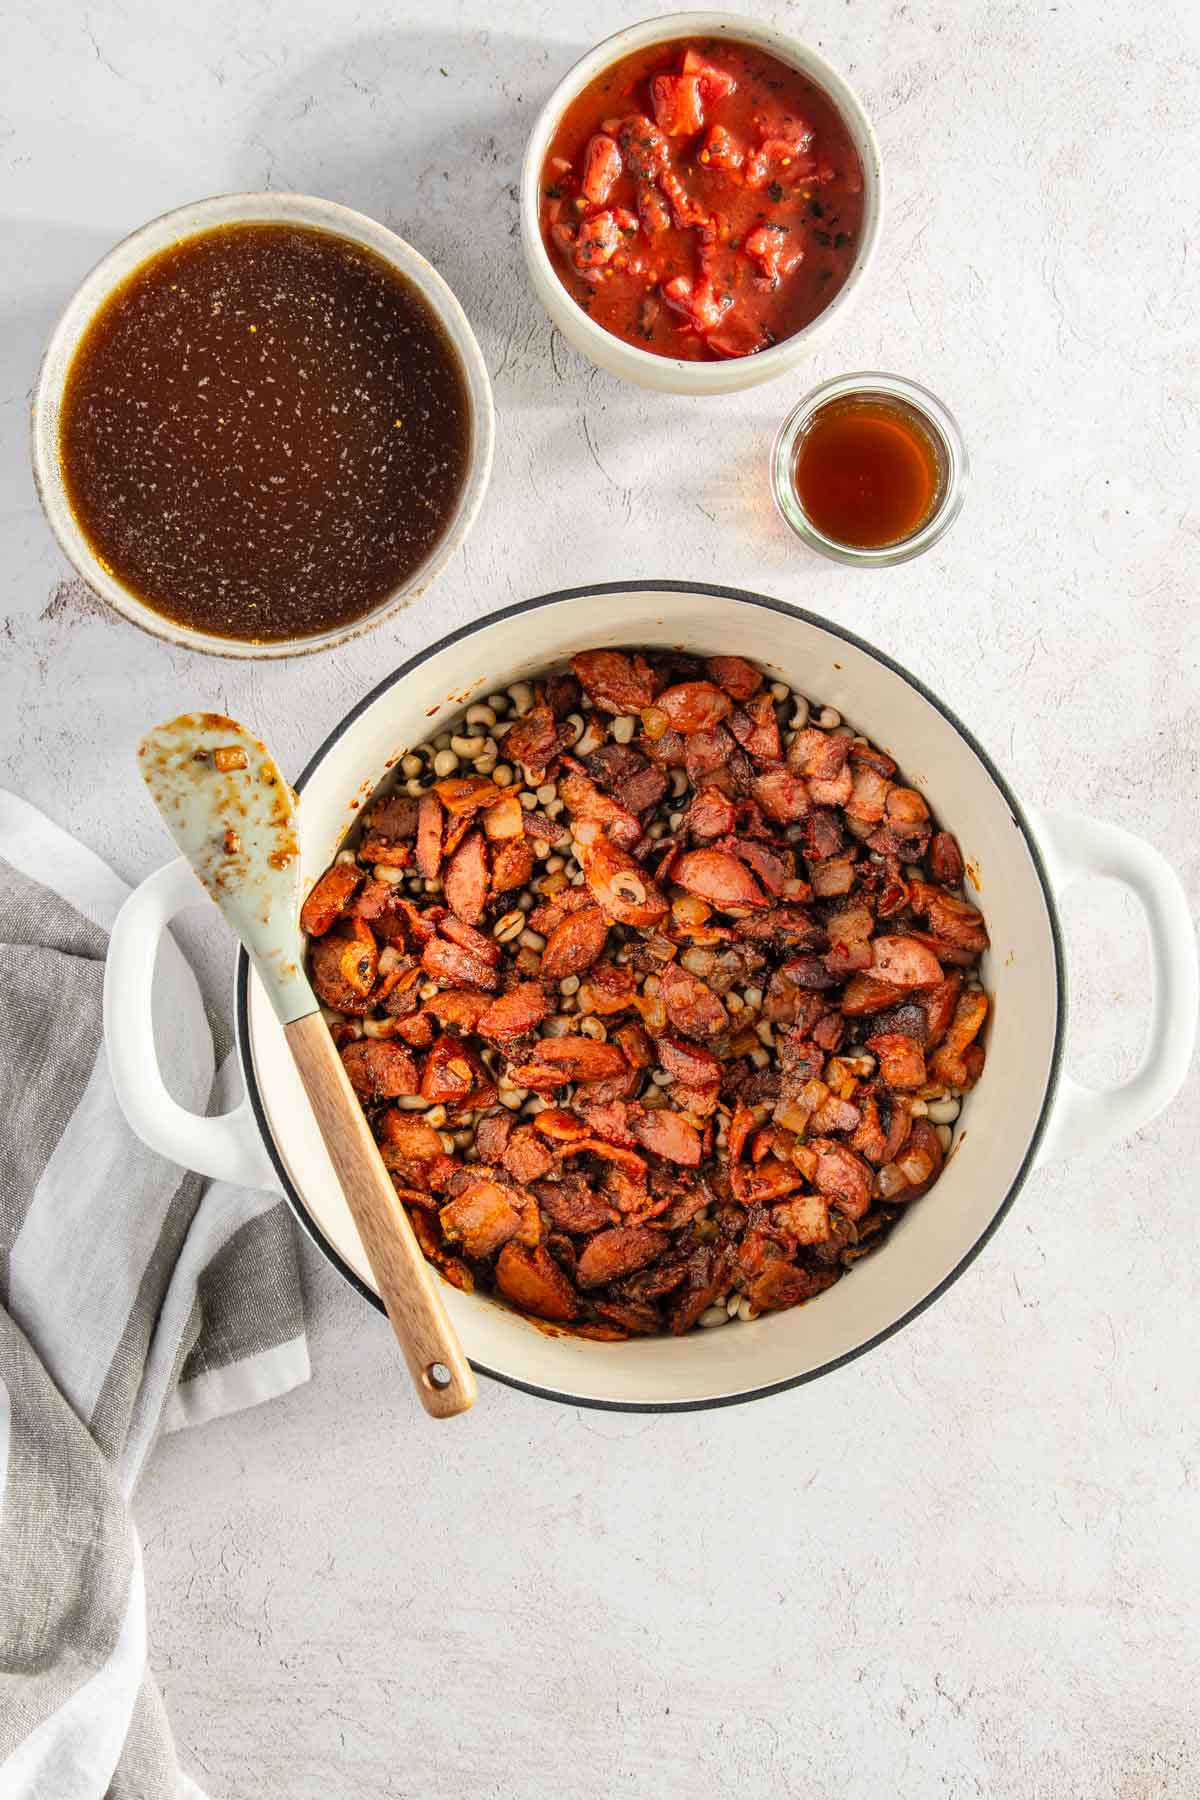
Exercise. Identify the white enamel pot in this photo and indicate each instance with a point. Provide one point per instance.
(1025, 1109)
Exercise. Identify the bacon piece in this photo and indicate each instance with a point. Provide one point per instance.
(782, 794)
(461, 794)
(710, 814)
(525, 1157)
(782, 1285)
(946, 859)
(767, 864)
(849, 930)
(505, 820)
(614, 682)
(534, 1283)
(343, 966)
(533, 740)
(452, 1072)
(905, 807)
(575, 944)
(581, 1058)
(465, 882)
(694, 706)
(409, 1135)
(609, 989)
(459, 1007)
(768, 1180)
(394, 816)
(514, 1013)
(572, 1206)
(688, 1063)
(549, 914)
(867, 994)
(429, 836)
(869, 790)
(938, 1005)
(589, 806)
(616, 1252)
(833, 878)
(459, 967)
(904, 962)
(607, 1119)
(678, 104)
(691, 1005)
(843, 1175)
(948, 1063)
(920, 1161)
(739, 678)
(459, 932)
(706, 753)
(620, 885)
(901, 1059)
(492, 1134)
(955, 921)
(329, 898)
(481, 1218)
(805, 1219)
(667, 1135)
(818, 755)
(379, 1069)
(601, 169)
(632, 1165)
(719, 878)
(756, 729)
(512, 865)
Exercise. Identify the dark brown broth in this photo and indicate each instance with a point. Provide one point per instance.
(264, 432)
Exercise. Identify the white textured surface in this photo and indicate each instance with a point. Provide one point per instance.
(964, 1565)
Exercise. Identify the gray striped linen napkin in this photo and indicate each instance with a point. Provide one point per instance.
(134, 1298)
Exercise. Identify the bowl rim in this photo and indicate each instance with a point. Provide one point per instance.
(742, 596)
(670, 27)
(195, 219)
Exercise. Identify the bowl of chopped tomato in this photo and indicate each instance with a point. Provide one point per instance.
(700, 200)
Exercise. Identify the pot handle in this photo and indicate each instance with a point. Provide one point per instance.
(228, 1147)
(1087, 1121)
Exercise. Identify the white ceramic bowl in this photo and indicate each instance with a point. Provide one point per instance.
(667, 373)
(173, 228)
(1024, 1109)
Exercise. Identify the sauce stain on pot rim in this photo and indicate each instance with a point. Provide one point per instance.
(1015, 814)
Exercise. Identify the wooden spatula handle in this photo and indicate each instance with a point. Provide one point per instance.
(407, 1285)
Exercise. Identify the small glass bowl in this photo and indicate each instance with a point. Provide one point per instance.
(907, 396)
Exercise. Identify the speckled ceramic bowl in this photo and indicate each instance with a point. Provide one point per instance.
(667, 373)
(172, 228)
(1025, 1109)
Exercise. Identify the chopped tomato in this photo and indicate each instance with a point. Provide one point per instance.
(775, 250)
(697, 301)
(715, 83)
(721, 150)
(601, 168)
(598, 241)
(678, 104)
(790, 155)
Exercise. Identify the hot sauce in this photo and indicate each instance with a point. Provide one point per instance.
(702, 200)
(866, 472)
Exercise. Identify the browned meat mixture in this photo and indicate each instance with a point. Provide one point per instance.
(660, 990)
